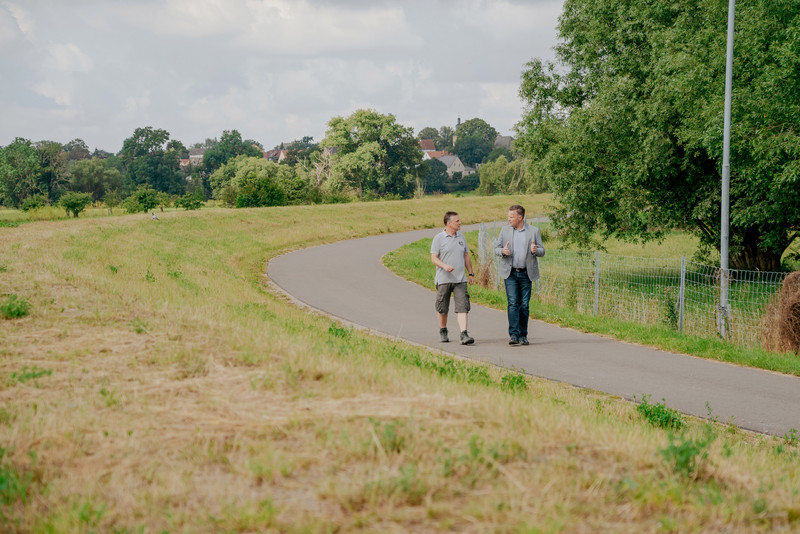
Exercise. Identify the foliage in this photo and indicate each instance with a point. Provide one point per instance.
(433, 174)
(506, 177)
(33, 202)
(143, 199)
(14, 307)
(472, 149)
(477, 128)
(52, 177)
(150, 159)
(442, 138)
(254, 182)
(659, 415)
(374, 154)
(229, 146)
(627, 126)
(19, 172)
(191, 201)
(95, 176)
(687, 455)
(75, 203)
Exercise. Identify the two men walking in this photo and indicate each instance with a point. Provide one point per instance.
(519, 246)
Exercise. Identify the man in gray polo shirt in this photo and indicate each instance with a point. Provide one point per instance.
(450, 255)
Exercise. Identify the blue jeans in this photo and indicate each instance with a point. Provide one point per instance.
(518, 293)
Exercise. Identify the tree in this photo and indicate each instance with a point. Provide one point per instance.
(472, 149)
(428, 133)
(375, 154)
(77, 150)
(19, 172)
(74, 202)
(627, 126)
(445, 139)
(52, 177)
(145, 198)
(148, 161)
(247, 181)
(229, 146)
(477, 128)
(96, 177)
(433, 174)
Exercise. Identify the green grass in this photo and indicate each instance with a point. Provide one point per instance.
(413, 263)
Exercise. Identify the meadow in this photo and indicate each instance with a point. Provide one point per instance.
(158, 383)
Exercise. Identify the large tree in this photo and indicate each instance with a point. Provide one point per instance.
(627, 125)
(375, 154)
(20, 169)
(150, 159)
(96, 177)
(229, 146)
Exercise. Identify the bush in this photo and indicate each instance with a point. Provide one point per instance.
(191, 201)
(75, 203)
(14, 307)
(143, 199)
(33, 202)
(659, 415)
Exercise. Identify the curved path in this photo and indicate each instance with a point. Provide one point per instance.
(348, 281)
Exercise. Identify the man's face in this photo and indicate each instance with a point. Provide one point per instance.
(454, 223)
(514, 219)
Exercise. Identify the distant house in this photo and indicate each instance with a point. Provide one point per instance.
(330, 150)
(426, 145)
(454, 165)
(434, 154)
(195, 157)
(277, 154)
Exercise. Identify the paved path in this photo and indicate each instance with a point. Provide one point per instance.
(347, 280)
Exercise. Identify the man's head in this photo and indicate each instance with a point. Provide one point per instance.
(516, 216)
(452, 221)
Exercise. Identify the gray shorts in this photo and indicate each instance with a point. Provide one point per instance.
(460, 295)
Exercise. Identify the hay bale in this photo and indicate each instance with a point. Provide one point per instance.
(781, 328)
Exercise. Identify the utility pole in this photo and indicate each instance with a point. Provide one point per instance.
(726, 182)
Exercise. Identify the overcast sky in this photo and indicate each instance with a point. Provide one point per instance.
(275, 70)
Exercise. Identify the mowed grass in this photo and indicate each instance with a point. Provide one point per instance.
(160, 384)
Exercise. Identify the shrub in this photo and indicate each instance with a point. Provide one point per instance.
(33, 202)
(14, 307)
(659, 415)
(74, 202)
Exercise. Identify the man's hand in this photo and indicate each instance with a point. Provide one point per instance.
(505, 250)
(533, 247)
(448, 268)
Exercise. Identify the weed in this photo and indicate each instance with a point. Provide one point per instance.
(390, 436)
(15, 307)
(149, 276)
(792, 439)
(14, 486)
(339, 331)
(113, 268)
(3, 268)
(659, 415)
(25, 374)
(669, 307)
(139, 326)
(686, 454)
(514, 382)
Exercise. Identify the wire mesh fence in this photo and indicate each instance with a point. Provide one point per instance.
(682, 294)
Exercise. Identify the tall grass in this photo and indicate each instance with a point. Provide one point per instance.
(159, 384)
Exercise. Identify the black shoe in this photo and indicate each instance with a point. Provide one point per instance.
(524, 340)
(465, 339)
(443, 335)
(513, 341)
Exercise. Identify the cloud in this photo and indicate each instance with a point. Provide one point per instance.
(68, 58)
(24, 22)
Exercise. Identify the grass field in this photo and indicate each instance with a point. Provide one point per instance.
(158, 384)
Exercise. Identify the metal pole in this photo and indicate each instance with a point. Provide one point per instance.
(596, 282)
(726, 180)
(682, 294)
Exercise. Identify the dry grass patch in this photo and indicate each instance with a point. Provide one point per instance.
(158, 385)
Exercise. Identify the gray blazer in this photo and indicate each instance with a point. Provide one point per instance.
(531, 260)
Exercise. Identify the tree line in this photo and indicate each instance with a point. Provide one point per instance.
(366, 155)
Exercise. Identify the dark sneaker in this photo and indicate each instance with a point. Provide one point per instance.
(443, 335)
(524, 340)
(465, 339)
(513, 341)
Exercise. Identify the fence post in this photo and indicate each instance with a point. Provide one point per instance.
(596, 282)
(482, 244)
(682, 294)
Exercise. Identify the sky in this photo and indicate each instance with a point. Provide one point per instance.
(275, 70)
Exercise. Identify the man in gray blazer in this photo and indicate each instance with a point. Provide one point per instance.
(519, 246)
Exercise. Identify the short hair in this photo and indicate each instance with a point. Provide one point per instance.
(448, 215)
(519, 209)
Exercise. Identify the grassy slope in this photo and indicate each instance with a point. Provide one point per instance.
(158, 384)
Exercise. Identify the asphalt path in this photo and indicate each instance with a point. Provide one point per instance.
(348, 281)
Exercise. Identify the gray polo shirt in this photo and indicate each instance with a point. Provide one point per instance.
(450, 250)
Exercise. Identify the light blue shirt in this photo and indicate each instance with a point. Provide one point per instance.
(519, 251)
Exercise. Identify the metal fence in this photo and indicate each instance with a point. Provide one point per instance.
(680, 293)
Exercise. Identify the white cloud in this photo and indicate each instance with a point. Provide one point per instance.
(137, 104)
(68, 58)
(21, 17)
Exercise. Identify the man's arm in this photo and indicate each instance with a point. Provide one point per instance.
(439, 263)
(537, 241)
(498, 244)
(468, 263)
